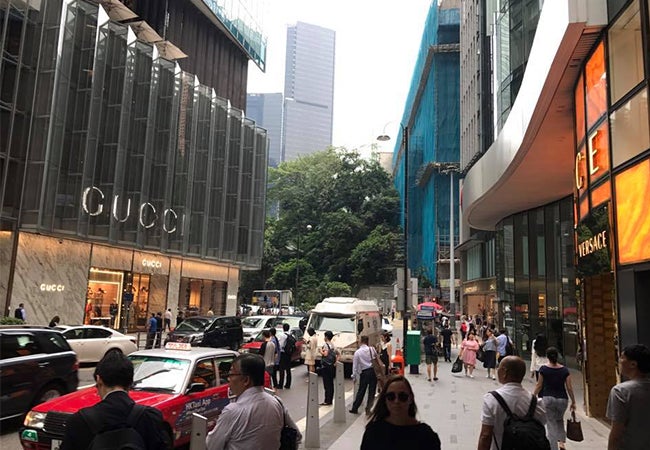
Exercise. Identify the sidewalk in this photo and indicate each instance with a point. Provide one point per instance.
(452, 407)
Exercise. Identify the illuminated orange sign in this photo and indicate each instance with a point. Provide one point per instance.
(632, 212)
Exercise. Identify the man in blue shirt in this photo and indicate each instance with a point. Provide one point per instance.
(152, 328)
(502, 342)
(363, 372)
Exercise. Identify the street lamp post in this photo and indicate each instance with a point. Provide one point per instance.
(295, 302)
(405, 146)
(450, 168)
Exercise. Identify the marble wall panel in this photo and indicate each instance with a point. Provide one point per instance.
(6, 248)
(174, 285)
(151, 263)
(50, 278)
(204, 271)
(233, 288)
(104, 257)
(157, 293)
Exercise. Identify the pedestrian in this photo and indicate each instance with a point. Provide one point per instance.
(431, 354)
(446, 335)
(54, 322)
(254, 419)
(511, 372)
(276, 366)
(268, 353)
(168, 320)
(159, 330)
(312, 347)
(553, 384)
(363, 372)
(328, 360)
(468, 350)
(179, 317)
(113, 377)
(490, 354)
(538, 355)
(20, 313)
(386, 351)
(628, 402)
(502, 344)
(463, 329)
(393, 422)
(285, 359)
(152, 327)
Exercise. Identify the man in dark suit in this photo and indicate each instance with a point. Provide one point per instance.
(114, 376)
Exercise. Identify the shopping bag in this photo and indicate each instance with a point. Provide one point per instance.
(573, 428)
(457, 366)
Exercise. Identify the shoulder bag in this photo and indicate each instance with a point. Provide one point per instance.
(573, 428)
(379, 368)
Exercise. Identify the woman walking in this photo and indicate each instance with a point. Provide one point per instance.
(392, 423)
(538, 355)
(553, 385)
(490, 352)
(468, 350)
(312, 348)
(386, 351)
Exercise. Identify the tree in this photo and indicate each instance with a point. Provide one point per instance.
(353, 239)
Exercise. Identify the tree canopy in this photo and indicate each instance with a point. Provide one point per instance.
(336, 227)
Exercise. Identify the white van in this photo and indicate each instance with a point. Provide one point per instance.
(348, 319)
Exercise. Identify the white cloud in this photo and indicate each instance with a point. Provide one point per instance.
(377, 43)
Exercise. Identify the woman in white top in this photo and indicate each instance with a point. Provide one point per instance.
(538, 355)
(312, 348)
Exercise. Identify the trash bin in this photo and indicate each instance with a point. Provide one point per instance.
(413, 355)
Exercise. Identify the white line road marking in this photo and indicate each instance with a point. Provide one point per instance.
(322, 411)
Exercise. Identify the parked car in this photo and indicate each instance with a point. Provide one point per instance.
(178, 380)
(36, 364)
(386, 325)
(255, 345)
(209, 331)
(91, 342)
(252, 325)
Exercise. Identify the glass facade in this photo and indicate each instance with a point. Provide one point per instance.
(535, 278)
(119, 145)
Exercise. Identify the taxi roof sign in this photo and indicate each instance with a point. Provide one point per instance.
(178, 346)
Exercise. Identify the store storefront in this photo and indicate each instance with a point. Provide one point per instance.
(479, 298)
(612, 185)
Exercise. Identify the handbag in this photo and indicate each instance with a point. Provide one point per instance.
(457, 366)
(573, 428)
(480, 354)
(379, 368)
(439, 350)
(288, 435)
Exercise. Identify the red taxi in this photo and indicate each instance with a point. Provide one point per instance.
(178, 380)
(255, 345)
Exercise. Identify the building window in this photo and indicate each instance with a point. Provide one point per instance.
(630, 133)
(632, 210)
(625, 52)
(596, 84)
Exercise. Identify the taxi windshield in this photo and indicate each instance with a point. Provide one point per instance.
(157, 373)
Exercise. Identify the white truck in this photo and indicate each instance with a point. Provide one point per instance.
(348, 319)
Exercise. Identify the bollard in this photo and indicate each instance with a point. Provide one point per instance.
(339, 395)
(199, 432)
(312, 428)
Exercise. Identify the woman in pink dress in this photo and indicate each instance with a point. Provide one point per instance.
(468, 350)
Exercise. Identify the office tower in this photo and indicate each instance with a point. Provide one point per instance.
(308, 89)
(267, 112)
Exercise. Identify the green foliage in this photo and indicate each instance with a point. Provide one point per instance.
(337, 229)
(6, 320)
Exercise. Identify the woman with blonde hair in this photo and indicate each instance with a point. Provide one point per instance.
(312, 348)
(392, 423)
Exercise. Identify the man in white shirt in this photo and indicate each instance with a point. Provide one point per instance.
(255, 419)
(363, 372)
(511, 371)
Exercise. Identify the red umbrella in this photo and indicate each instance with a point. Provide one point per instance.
(430, 305)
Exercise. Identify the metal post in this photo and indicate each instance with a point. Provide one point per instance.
(452, 262)
(312, 428)
(295, 301)
(339, 395)
(199, 432)
(405, 321)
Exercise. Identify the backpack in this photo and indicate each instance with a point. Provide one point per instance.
(290, 344)
(522, 433)
(122, 438)
(330, 359)
(510, 350)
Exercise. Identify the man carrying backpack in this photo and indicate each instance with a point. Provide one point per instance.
(518, 425)
(116, 422)
(287, 346)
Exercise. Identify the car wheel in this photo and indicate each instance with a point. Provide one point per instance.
(114, 349)
(48, 393)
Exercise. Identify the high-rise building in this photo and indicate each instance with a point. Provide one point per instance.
(308, 89)
(267, 111)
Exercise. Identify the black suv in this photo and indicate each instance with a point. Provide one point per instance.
(36, 365)
(209, 331)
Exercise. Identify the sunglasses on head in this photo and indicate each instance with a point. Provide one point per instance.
(401, 396)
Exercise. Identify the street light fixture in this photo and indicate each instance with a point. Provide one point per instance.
(405, 146)
(450, 168)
